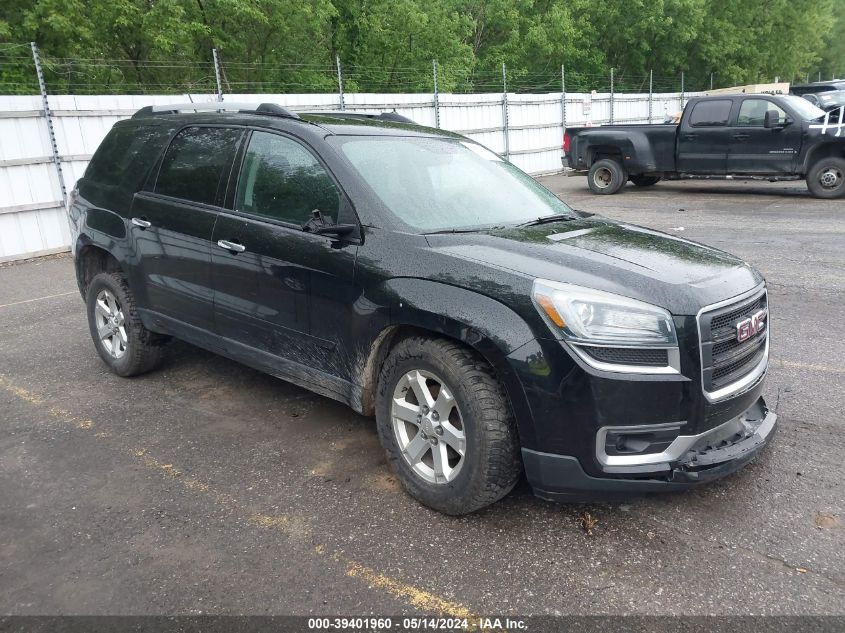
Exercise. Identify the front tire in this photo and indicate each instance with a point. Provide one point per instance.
(606, 176)
(645, 181)
(446, 426)
(122, 341)
(826, 179)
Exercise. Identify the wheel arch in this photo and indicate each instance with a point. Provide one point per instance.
(493, 332)
(90, 260)
(825, 150)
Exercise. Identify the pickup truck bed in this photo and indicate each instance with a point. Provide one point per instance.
(652, 145)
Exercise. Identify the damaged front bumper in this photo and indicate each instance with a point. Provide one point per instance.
(688, 461)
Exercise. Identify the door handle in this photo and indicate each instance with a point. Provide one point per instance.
(742, 137)
(141, 223)
(231, 246)
(690, 137)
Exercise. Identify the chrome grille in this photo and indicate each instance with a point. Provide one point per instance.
(724, 359)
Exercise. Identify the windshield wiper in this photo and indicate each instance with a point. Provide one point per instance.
(548, 219)
(442, 231)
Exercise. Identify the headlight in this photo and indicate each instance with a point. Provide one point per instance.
(594, 317)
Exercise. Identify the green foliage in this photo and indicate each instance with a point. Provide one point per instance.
(103, 46)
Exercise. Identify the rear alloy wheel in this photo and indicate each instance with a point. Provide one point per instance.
(446, 425)
(645, 181)
(111, 324)
(606, 176)
(826, 178)
(122, 341)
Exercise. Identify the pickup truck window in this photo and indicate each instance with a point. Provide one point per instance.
(711, 113)
(752, 112)
(803, 108)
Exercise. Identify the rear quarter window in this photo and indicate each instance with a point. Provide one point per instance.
(711, 113)
(119, 154)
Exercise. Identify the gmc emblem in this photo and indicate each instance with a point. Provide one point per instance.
(754, 324)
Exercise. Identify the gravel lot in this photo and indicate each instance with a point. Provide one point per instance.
(207, 487)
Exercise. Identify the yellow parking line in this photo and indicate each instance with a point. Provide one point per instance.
(291, 527)
(809, 366)
(422, 600)
(17, 303)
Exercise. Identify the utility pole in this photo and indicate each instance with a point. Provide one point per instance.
(340, 83)
(611, 96)
(505, 111)
(563, 97)
(436, 96)
(217, 74)
(48, 115)
(650, 93)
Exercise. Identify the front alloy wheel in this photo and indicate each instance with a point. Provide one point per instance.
(446, 425)
(428, 426)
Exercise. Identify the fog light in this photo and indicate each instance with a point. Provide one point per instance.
(633, 442)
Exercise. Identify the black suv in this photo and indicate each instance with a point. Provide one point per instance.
(418, 277)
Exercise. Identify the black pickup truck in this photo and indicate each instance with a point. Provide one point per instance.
(774, 137)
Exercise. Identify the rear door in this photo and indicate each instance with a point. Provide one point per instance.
(172, 223)
(278, 289)
(756, 149)
(704, 137)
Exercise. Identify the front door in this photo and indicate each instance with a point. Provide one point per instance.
(171, 225)
(756, 149)
(270, 274)
(703, 137)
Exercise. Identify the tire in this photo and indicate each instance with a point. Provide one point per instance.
(490, 465)
(826, 178)
(645, 181)
(130, 348)
(606, 176)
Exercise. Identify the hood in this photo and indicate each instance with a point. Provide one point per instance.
(677, 274)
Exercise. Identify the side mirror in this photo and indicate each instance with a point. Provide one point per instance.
(337, 230)
(324, 225)
(772, 119)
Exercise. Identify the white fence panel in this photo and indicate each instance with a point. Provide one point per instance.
(32, 217)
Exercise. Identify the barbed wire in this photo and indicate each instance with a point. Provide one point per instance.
(70, 75)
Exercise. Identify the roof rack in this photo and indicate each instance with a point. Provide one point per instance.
(381, 116)
(270, 109)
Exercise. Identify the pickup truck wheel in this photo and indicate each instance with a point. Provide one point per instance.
(122, 341)
(645, 181)
(606, 176)
(826, 178)
(446, 426)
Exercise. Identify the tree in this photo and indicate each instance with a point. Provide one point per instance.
(387, 45)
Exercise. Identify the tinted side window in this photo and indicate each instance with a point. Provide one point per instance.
(194, 162)
(117, 153)
(752, 112)
(282, 180)
(711, 113)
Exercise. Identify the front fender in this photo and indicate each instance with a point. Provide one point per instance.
(490, 327)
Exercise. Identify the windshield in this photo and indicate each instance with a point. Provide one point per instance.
(804, 108)
(437, 184)
(832, 98)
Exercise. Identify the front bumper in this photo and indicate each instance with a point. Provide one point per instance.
(702, 458)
